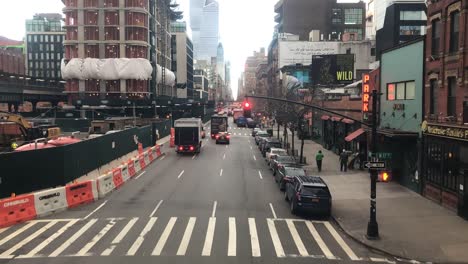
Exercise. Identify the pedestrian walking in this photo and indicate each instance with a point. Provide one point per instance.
(344, 160)
(318, 160)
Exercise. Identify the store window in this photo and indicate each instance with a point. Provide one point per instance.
(353, 16)
(454, 31)
(443, 163)
(435, 41)
(433, 93)
(451, 98)
(413, 15)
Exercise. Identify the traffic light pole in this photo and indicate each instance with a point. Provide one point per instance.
(373, 226)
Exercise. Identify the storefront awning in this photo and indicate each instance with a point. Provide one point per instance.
(354, 135)
(347, 121)
(336, 118)
(325, 117)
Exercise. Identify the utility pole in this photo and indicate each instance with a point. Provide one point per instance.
(373, 226)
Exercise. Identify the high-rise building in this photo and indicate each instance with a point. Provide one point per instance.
(196, 15)
(240, 87)
(201, 85)
(182, 59)
(250, 71)
(227, 80)
(220, 61)
(44, 46)
(206, 38)
(117, 45)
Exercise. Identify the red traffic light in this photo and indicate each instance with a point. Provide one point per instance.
(246, 105)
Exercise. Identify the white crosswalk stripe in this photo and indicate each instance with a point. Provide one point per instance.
(277, 237)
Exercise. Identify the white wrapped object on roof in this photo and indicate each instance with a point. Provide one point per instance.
(107, 69)
(169, 76)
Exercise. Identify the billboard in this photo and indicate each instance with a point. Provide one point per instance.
(332, 69)
(294, 52)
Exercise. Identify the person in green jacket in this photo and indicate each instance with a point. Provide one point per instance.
(318, 159)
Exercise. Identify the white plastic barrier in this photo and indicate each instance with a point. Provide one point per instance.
(147, 159)
(50, 201)
(105, 184)
(125, 174)
(93, 174)
(136, 161)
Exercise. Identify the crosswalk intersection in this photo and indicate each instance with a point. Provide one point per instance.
(175, 236)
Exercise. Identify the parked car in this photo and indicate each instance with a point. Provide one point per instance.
(270, 143)
(274, 152)
(259, 135)
(223, 137)
(262, 143)
(286, 173)
(251, 123)
(241, 122)
(279, 161)
(308, 194)
(254, 131)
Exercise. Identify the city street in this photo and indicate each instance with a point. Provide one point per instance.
(221, 205)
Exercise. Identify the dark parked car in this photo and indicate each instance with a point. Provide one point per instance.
(282, 161)
(259, 135)
(262, 143)
(270, 143)
(223, 137)
(251, 123)
(254, 131)
(308, 194)
(285, 174)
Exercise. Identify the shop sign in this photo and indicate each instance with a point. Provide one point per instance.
(381, 155)
(365, 96)
(454, 132)
(399, 107)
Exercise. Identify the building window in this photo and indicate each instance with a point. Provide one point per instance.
(433, 96)
(451, 99)
(91, 51)
(112, 33)
(413, 15)
(136, 51)
(435, 44)
(401, 91)
(111, 3)
(136, 19)
(358, 31)
(91, 17)
(71, 3)
(112, 51)
(111, 18)
(90, 3)
(353, 16)
(71, 18)
(337, 16)
(91, 33)
(72, 34)
(412, 30)
(454, 31)
(137, 3)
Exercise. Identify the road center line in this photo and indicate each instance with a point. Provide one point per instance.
(251, 147)
(221, 172)
(156, 208)
(273, 211)
(254, 157)
(224, 156)
(214, 208)
(260, 175)
(180, 175)
(95, 210)
(136, 178)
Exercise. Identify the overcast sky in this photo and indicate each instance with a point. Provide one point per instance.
(245, 25)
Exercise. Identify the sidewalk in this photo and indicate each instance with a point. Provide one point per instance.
(410, 225)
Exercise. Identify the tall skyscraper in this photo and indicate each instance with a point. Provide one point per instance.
(44, 46)
(205, 31)
(220, 61)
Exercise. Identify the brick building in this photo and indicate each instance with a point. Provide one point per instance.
(445, 129)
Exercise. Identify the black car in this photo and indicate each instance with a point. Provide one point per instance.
(254, 131)
(262, 141)
(259, 135)
(223, 137)
(270, 143)
(286, 173)
(308, 194)
(282, 161)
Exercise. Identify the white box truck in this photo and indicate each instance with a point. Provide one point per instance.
(188, 137)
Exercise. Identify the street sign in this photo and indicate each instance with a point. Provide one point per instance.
(375, 165)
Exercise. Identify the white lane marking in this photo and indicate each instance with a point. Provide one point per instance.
(275, 239)
(32, 253)
(141, 174)
(156, 208)
(73, 238)
(95, 240)
(163, 157)
(226, 146)
(341, 242)
(19, 231)
(254, 238)
(232, 242)
(260, 175)
(385, 260)
(186, 238)
(194, 156)
(326, 251)
(254, 157)
(95, 210)
(297, 239)
(221, 172)
(213, 213)
(224, 156)
(141, 238)
(180, 175)
(209, 237)
(251, 147)
(119, 237)
(164, 236)
(273, 211)
(7, 253)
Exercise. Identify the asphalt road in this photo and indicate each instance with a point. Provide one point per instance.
(221, 206)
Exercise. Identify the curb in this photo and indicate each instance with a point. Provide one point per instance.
(374, 248)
